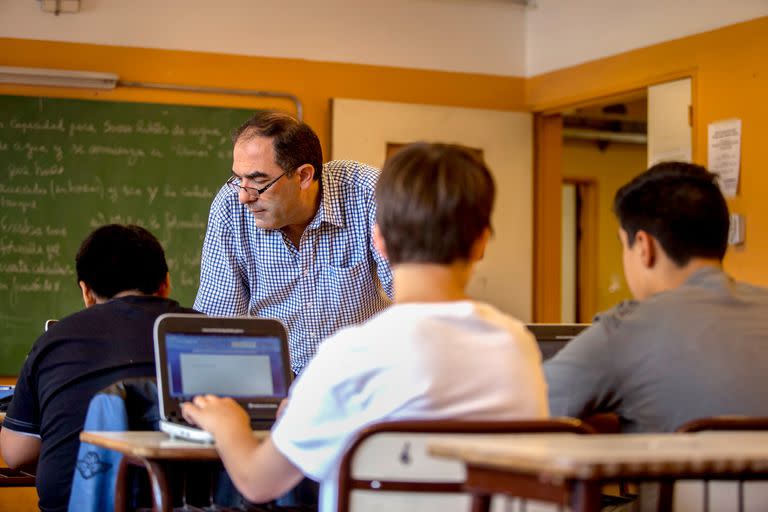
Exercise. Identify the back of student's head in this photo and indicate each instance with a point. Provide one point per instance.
(679, 204)
(433, 201)
(116, 258)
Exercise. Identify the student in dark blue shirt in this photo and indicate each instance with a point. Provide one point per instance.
(123, 276)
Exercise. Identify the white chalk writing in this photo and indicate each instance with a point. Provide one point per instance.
(197, 191)
(23, 267)
(185, 151)
(25, 228)
(25, 190)
(151, 128)
(76, 128)
(19, 204)
(110, 127)
(35, 126)
(31, 150)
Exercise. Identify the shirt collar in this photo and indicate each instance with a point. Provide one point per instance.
(330, 209)
(705, 274)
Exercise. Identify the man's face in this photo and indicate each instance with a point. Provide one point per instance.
(633, 266)
(254, 163)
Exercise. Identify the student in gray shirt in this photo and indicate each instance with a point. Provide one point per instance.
(694, 343)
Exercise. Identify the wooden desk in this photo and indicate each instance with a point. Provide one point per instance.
(568, 469)
(155, 451)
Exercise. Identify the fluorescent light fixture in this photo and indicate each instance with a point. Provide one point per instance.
(57, 78)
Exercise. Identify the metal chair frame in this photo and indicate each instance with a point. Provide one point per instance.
(348, 483)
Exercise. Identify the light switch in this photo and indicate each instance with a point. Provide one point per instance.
(736, 229)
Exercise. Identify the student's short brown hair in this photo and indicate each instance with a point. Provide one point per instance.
(433, 202)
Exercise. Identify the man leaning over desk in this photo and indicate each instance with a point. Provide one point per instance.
(290, 238)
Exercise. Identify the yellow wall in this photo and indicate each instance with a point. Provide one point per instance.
(609, 168)
(730, 79)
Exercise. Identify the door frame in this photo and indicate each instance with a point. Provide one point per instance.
(547, 177)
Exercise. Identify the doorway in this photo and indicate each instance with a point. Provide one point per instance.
(565, 131)
(604, 146)
(579, 268)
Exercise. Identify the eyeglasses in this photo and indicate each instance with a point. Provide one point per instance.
(233, 183)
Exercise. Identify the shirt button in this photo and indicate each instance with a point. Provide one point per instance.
(309, 304)
(306, 272)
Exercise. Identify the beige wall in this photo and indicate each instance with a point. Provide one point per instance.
(610, 168)
(503, 278)
(469, 36)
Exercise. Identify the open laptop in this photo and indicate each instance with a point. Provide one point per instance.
(239, 357)
(553, 337)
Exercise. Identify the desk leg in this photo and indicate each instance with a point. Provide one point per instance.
(480, 503)
(586, 496)
(121, 486)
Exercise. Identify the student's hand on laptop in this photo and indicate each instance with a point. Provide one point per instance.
(219, 416)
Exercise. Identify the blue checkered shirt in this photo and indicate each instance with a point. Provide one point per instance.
(335, 278)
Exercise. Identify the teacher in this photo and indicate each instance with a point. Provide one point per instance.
(290, 238)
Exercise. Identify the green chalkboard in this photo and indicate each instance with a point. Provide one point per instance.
(69, 166)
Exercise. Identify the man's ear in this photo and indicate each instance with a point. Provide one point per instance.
(306, 175)
(478, 248)
(648, 248)
(89, 298)
(165, 287)
(378, 241)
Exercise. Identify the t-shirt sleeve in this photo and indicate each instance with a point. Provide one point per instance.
(323, 412)
(580, 378)
(23, 413)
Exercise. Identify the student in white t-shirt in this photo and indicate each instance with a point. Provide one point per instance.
(434, 354)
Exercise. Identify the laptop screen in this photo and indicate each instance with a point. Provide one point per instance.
(553, 337)
(226, 365)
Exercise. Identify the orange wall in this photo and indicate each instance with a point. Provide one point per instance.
(730, 79)
(314, 83)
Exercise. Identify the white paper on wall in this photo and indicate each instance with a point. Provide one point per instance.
(724, 153)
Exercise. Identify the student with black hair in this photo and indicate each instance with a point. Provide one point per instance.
(434, 354)
(124, 281)
(694, 343)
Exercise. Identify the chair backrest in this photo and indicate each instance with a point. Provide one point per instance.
(128, 404)
(387, 459)
(725, 423)
(715, 495)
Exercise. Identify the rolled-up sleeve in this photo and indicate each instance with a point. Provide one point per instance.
(223, 288)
